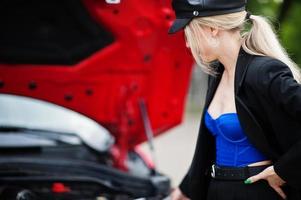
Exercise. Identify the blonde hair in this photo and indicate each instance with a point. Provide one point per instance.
(259, 40)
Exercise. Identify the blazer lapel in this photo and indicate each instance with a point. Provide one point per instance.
(242, 64)
(248, 121)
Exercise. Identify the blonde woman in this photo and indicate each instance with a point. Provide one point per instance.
(249, 142)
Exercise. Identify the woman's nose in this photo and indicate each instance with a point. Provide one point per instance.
(187, 45)
(185, 39)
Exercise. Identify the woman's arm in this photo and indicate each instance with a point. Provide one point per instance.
(184, 184)
(276, 81)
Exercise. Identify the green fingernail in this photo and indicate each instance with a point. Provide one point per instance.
(248, 181)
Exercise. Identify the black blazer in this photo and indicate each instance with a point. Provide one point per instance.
(268, 105)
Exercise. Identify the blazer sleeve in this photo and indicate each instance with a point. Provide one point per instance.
(276, 80)
(185, 183)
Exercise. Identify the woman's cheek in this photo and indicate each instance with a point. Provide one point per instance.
(206, 55)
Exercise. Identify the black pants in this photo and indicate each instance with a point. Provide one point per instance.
(238, 190)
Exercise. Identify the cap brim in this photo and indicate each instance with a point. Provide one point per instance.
(177, 25)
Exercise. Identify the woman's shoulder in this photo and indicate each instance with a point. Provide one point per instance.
(266, 64)
(267, 75)
(263, 69)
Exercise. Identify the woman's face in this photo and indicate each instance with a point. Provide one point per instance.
(208, 43)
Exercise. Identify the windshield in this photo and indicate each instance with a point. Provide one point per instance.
(30, 113)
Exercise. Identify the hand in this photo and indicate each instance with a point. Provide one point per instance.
(273, 179)
(177, 194)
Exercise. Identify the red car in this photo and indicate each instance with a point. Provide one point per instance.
(82, 83)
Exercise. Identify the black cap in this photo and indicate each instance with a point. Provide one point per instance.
(186, 10)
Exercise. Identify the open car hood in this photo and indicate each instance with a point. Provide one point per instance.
(99, 60)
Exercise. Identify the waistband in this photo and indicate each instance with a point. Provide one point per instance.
(235, 173)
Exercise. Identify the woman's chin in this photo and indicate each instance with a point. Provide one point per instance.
(208, 60)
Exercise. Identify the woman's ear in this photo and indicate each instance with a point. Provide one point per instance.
(214, 31)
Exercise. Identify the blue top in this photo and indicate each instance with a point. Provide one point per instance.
(232, 146)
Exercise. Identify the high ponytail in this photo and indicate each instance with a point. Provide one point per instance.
(259, 40)
(262, 40)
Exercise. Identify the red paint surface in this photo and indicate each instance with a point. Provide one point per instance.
(143, 62)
